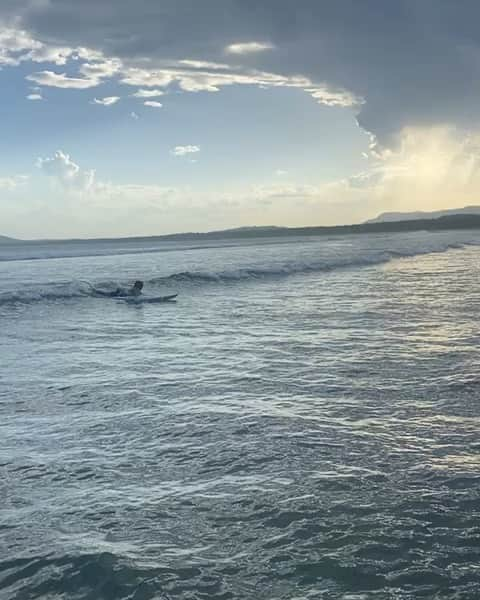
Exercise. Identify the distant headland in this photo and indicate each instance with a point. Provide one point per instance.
(462, 221)
(415, 216)
(465, 218)
(7, 240)
(457, 221)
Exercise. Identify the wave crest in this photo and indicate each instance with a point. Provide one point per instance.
(74, 290)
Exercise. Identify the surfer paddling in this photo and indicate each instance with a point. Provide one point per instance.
(134, 291)
(136, 288)
(133, 295)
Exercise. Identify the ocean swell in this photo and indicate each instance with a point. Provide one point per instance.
(74, 290)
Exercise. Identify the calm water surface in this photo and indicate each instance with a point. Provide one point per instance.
(302, 424)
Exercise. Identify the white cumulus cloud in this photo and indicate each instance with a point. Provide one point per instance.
(103, 68)
(34, 97)
(149, 78)
(153, 104)
(62, 169)
(107, 101)
(18, 46)
(62, 80)
(248, 47)
(331, 97)
(90, 73)
(12, 183)
(58, 55)
(142, 93)
(203, 64)
(13, 46)
(184, 150)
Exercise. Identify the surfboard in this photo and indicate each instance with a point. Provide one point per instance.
(149, 300)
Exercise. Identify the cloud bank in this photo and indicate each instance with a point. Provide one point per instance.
(414, 63)
(68, 174)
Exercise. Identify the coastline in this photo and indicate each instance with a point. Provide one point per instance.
(450, 222)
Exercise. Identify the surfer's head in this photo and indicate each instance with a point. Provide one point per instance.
(136, 289)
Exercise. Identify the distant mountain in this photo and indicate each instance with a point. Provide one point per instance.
(391, 217)
(255, 228)
(6, 240)
(464, 218)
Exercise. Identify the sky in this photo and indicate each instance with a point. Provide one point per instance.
(123, 118)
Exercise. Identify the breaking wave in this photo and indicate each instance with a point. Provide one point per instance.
(71, 290)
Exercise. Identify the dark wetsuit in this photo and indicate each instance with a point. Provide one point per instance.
(118, 293)
(115, 294)
(135, 290)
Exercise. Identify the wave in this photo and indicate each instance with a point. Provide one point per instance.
(331, 263)
(75, 290)
(32, 251)
(48, 291)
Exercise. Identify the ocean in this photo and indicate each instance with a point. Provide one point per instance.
(302, 424)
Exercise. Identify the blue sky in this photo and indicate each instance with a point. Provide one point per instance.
(162, 116)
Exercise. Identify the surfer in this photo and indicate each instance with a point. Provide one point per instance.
(135, 290)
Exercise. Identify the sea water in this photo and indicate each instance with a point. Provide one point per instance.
(302, 424)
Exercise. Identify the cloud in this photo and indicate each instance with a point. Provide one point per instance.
(7, 183)
(153, 104)
(430, 167)
(184, 150)
(107, 101)
(204, 80)
(34, 97)
(414, 63)
(248, 48)
(190, 75)
(398, 66)
(203, 64)
(62, 80)
(89, 54)
(17, 46)
(290, 191)
(104, 68)
(73, 179)
(63, 170)
(148, 93)
(134, 115)
(329, 97)
(137, 193)
(14, 46)
(12, 183)
(51, 54)
(135, 76)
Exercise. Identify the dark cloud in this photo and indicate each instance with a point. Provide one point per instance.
(415, 62)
